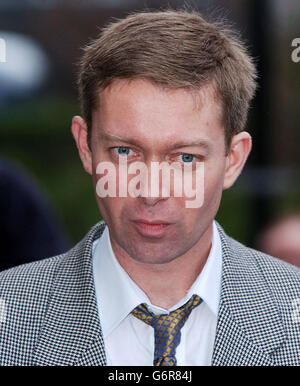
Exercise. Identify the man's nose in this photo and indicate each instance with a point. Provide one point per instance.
(153, 190)
(152, 201)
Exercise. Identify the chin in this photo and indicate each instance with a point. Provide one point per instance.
(154, 254)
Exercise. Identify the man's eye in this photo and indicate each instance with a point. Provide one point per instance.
(123, 151)
(187, 157)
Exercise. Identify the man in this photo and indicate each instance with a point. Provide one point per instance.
(158, 282)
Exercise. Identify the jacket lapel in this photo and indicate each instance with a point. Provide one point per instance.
(249, 328)
(71, 332)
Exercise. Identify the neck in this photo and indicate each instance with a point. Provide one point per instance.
(166, 284)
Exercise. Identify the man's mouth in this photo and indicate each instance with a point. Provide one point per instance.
(151, 227)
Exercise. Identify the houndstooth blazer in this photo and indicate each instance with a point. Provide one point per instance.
(49, 314)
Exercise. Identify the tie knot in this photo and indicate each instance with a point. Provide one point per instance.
(166, 329)
(141, 312)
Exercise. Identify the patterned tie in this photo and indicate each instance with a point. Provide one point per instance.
(166, 329)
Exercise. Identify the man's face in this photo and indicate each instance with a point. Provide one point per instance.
(145, 123)
(142, 122)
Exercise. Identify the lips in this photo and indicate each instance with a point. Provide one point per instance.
(152, 222)
(151, 227)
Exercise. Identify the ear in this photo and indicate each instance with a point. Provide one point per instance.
(79, 131)
(240, 148)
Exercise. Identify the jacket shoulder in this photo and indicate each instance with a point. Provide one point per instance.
(24, 294)
(283, 282)
(28, 291)
(280, 275)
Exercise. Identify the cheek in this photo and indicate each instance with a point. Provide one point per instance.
(198, 218)
(213, 185)
(111, 209)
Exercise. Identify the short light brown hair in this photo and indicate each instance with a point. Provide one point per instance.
(173, 49)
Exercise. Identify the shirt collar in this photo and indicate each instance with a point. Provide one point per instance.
(208, 283)
(117, 294)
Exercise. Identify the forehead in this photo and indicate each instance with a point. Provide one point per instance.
(149, 112)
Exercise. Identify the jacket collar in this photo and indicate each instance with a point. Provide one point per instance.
(248, 329)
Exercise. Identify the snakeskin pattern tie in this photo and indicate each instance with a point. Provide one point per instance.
(167, 329)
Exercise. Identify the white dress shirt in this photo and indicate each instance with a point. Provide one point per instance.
(129, 341)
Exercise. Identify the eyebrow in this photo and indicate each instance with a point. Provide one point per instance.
(112, 137)
(201, 143)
